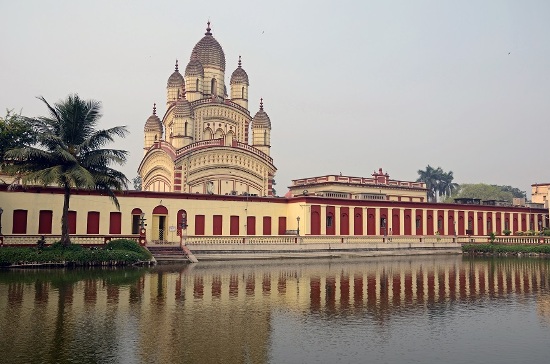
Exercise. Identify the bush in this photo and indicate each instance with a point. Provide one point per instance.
(506, 232)
(501, 248)
(120, 251)
(125, 244)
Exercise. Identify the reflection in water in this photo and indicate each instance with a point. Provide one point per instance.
(258, 312)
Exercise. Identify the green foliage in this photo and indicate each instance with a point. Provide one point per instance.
(15, 132)
(510, 249)
(487, 192)
(137, 183)
(69, 152)
(492, 237)
(121, 251)
(438, 182)
(128, 245)
(506, 232)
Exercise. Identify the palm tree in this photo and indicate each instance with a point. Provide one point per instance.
(69, 153)
(430, 177)
(447, 186)
(438, 182)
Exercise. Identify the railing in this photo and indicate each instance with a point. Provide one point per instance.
(220, 100)
(357, 180)
(220, 143)
(199, 145)
(316, 239)
(252, 150)
(91, 240)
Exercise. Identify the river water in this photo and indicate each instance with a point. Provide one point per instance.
(430, 309)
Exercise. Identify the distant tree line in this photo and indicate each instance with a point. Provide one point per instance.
(440, 187)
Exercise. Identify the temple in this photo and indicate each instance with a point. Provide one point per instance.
(207, 141)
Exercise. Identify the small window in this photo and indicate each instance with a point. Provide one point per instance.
(439, 224)
(329, 221)
(470, 224)
(418, 223)
(383, 222)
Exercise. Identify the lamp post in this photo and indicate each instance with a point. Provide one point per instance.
(298, 230)
(1, 211)
(183, 225)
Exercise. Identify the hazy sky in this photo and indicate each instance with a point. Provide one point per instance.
(350, 86)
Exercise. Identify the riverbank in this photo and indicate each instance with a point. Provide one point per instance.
(212, 251)
(119, 252)
(507, 249)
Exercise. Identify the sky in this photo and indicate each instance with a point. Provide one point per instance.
(349, 86)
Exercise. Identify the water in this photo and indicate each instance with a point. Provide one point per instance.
(433, 309)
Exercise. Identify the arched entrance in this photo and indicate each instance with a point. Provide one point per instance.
(159, 224)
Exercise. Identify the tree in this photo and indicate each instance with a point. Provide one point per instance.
(15, 132)
(438, 182)
(137, 183)
(487, 192)
(68, 152)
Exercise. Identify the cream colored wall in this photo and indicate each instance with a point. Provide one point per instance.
(230, 118)
(393, 193)
(228, 168)
(539, 194)
(157, 172)
(82, 203)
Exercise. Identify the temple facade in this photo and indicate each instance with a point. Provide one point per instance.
(207, 141)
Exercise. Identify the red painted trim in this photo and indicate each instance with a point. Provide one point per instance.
(430, 221)
(92, 222)
(160, 210)
(45, 218)
(115, 223)
(396, 223)
(137, 211)
(217, 224)
(461, 223)
(72, 222)
(330, 217)
(481, 225)
(313, 200)
(357, 221)
(282, 225)
(371, 222)
(199, 224)
(19, 222)
(251, 225)
(344, 221)
(315, 220)
(266, 225)
(407, 229)
(233, 225)
(419, 228)
(452, 224)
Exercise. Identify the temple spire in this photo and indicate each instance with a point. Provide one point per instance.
(262, 104)
(155, 108)
(240, 62)
(208, 29)
(177, 70)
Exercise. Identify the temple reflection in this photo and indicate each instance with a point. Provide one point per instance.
(202, 305)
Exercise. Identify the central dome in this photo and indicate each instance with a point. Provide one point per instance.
(209, 52)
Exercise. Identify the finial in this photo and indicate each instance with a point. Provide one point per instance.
(155, 108)
(239, 61)
(262, 104)
(176, 65)
(208, 29)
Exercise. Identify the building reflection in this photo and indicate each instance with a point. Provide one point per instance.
(173, 313)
